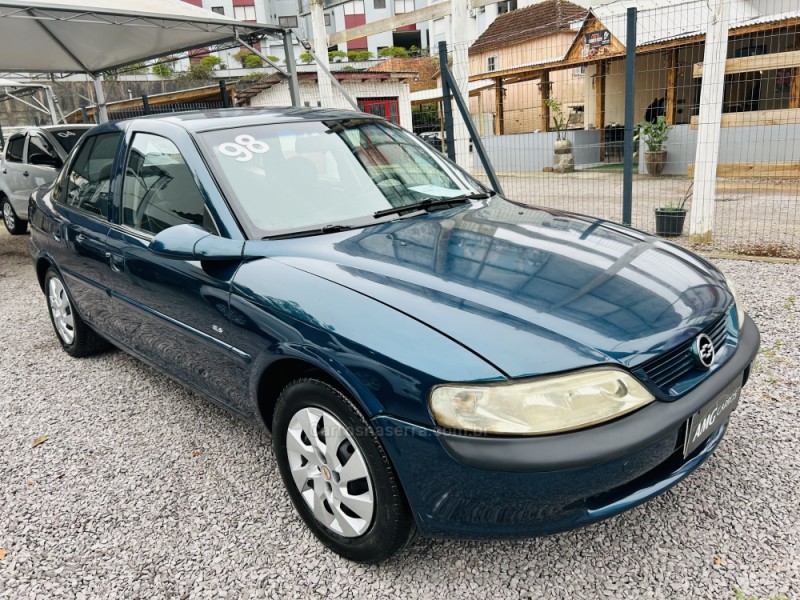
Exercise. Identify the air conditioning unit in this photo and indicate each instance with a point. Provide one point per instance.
(473, 12)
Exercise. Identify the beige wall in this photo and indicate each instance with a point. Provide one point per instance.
(523, 100)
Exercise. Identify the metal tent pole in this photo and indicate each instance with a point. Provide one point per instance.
(102, 111)
(291, 68)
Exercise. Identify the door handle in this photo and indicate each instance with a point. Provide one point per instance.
(25, 173)
(116, 262)
(5, 171)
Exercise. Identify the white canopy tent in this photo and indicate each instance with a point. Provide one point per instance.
(92, 36)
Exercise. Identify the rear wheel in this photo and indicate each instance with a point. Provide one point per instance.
(76, 337)
(14, 224)
(337, 473)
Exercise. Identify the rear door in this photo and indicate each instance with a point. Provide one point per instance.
(42, 160)
(15, 171)
(82, 206)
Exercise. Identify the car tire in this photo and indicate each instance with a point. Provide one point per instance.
(13, 223)
(328, 485)
(76, 337)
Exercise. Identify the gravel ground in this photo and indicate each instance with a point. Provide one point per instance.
(144, 490)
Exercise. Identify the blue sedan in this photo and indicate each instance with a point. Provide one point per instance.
(428, 355)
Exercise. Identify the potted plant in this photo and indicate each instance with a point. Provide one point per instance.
(655, 136)
(564, 162)
(670, 218)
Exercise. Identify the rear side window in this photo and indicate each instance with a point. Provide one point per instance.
(89, 178)
(16, 148)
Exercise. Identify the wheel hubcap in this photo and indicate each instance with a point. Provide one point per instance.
(8, 215)
(61, 309)
(330, 472)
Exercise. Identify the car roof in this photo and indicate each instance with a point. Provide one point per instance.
(207, 120)
(12, 131)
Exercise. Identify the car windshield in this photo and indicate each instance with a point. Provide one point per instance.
(289, 177)
(67, 138)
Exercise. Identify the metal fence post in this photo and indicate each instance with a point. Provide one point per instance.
(447, 107)
(145, 104)
(223, 92)
(473, 132)
(627, 140)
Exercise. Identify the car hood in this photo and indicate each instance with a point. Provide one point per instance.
(532, 291)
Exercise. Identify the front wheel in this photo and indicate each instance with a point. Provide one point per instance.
(13, 223)
(338, 474)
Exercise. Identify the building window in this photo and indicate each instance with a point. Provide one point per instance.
(403, 6)
(354, 8)
(491, 63)
(328, 19)
(439, 27)
(220, 10)
(244, 13)
(508, 6)
(378, 4)
(288, 22)
(579, 71)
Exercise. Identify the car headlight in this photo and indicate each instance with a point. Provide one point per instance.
(539, 406)
(737, 303)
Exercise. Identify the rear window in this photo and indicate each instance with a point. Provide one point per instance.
(67, 138)
(16, 147)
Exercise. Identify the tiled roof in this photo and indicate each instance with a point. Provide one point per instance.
(531, 22)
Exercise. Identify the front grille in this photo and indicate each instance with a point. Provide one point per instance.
(670, 367)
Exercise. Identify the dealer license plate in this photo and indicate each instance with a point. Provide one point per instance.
(711, 416)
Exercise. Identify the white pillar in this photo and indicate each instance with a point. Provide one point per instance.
(459, 47)
(321, 50)
(701, 223)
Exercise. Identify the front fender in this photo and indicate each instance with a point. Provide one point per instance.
(388, 360)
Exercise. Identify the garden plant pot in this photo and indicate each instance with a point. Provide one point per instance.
(564, 161)
(669, 222)
(655, 162)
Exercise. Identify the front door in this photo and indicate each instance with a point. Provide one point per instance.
(172, 312)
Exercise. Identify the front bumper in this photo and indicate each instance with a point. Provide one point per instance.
(471, 486)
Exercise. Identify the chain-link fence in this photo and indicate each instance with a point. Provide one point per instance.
(548, 93)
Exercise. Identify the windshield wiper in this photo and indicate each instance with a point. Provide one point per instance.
(427, 203)
(307, 232)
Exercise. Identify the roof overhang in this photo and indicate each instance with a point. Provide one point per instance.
(58, 36)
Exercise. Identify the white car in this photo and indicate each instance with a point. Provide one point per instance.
(31, 158)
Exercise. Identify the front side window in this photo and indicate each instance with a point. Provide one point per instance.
(298, 176)
(89, 177)
(41, 152)
(159, 189)
(16, 148)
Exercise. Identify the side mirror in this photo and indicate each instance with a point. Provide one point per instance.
(44, 160)
(191, 242)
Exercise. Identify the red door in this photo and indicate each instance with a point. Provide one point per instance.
(387, 108)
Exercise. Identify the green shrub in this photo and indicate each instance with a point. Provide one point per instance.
(393, 52)
(359, 55)
(305, 57)
(336, 56)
